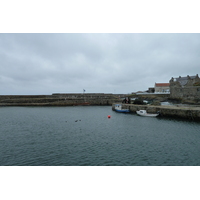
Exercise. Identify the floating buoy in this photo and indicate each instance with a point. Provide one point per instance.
(109, 116)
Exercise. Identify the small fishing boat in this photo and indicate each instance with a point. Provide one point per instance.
(118, 108)
(144, 113)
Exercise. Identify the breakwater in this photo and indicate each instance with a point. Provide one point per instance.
(59, 99)
(186, 112)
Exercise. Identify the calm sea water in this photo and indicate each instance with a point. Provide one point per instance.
(85, 136)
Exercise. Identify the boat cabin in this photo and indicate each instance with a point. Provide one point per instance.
(118, 106)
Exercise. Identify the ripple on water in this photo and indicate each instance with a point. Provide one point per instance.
(52, 136)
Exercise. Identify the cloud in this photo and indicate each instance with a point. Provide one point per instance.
(109, 63)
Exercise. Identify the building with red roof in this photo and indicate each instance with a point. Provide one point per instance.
(162, 87)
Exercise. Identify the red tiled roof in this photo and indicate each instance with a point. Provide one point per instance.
(161, 84)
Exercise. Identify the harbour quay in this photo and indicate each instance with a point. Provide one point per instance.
(175, 111)
(59, 99)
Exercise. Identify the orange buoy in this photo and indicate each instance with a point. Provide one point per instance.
(109, 116)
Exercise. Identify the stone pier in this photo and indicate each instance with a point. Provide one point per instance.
(59, 99)
(190, 112)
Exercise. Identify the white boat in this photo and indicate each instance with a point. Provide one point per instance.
(118, 108)
(144, 113)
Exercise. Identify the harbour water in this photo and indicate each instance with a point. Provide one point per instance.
(85, 136)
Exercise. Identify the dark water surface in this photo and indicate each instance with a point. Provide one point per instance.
(52, 136)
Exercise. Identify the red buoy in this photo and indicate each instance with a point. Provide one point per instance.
(109, 116)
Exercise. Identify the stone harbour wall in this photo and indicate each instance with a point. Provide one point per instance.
(192, 113)
(58, 99)
(189, 94)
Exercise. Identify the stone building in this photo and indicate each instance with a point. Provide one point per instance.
(162, 87)
(186, 88)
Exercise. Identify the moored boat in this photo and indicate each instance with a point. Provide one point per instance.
(118, 108)
(144, 113)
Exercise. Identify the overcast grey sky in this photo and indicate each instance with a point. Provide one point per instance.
(104, 63)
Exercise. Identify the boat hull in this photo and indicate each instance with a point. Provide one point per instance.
(122, 111)
(118, 108)
(145, 114)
